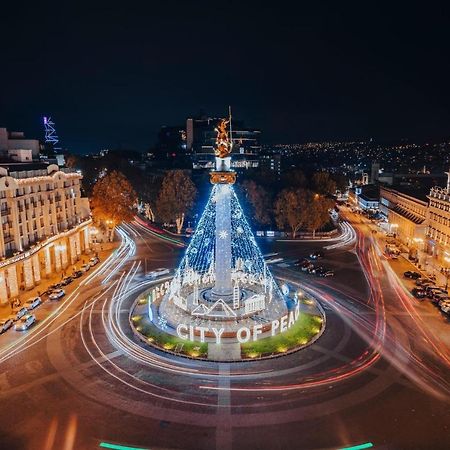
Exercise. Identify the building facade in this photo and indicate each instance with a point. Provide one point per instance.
(406, 215)
(438, 230)
(11, 141)
(45, 226)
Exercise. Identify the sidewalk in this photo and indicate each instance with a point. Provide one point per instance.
(426, 265)
(103, 251)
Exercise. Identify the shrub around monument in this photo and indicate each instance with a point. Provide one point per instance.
(299, 335)
(169, 342)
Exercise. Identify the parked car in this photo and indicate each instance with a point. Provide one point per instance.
(316, 255)
(77, 274)
(423, 282)
(437, 297)
(419, 293)
(162, 271)
(301, 261)
(18, 312)
(85, 267)
(5, 325)
(94, 261)
(307, 266)
(445, 307)
(433, 290)
(443, 301)
(52, 287)
(66, 281)
(57, 294)
(412, 275)
(32, 303)
(322, 272)
(25, 322)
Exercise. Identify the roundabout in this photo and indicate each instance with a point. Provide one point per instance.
(300, 327)
(223, 303)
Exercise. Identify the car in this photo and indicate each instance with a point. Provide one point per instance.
(25, 322)
(438, 297)
(419, 293)
(158, 272)
(412, 275)
(445, 306)
(444, 301)
(322, 272)
(85, 267)
(432, 291)
(316, 255)
(307, 266)
(66, 281)
(77, 274)
(32, 303)
(422, 282)
(52, 287)
(301, 261)
(94, 261)
(57, 294)
(5, 325)
(18, 312)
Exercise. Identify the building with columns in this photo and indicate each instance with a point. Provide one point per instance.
(45, 226)
(406, 211)
(438, 231)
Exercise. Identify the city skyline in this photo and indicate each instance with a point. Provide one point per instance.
(111, 78)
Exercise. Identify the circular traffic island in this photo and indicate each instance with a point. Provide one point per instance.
(248, 339)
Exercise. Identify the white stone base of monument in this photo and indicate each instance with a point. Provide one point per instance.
(224, 351)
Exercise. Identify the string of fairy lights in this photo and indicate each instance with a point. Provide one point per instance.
(245, 253)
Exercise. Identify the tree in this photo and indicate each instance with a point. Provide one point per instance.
(259, 200)
(290, 209)
(295, 179)
(112, 200)
(176, 197)
(72, 161)
(323, 183)
(317, 212)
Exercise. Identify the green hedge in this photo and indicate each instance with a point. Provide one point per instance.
(306, 327)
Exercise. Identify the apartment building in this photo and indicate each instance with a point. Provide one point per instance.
(438, 231)
(45, 226)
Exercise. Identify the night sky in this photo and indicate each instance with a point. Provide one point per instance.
(111, 75)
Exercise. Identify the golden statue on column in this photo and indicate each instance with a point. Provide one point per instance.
(223, 144)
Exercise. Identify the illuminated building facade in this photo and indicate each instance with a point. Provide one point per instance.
(438, 230)
(45, 226)
(406, 214)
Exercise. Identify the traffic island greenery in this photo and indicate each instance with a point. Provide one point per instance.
(168, 342)
(307, 327)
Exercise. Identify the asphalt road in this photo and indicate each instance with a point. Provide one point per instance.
(378, 374)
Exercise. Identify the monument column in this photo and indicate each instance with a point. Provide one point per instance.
(223, 177)
(223, 287)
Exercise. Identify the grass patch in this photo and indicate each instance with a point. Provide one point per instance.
(169, 342)
(306, 327)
